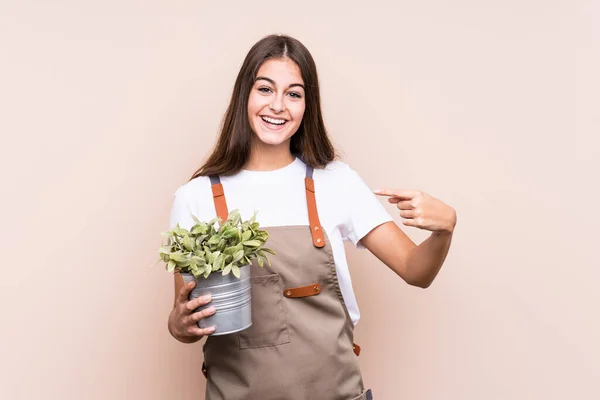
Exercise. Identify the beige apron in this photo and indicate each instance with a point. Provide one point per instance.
(300, 344)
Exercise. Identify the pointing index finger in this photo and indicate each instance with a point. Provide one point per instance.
(403, 194)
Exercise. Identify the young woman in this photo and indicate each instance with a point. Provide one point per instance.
(274, 156)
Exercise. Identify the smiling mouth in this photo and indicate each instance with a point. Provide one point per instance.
(273, 121)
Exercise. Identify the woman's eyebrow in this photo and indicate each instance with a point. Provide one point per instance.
(272, 82)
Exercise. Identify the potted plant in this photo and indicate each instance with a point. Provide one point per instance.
(219, 259)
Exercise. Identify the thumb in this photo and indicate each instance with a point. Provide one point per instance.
(185, 290)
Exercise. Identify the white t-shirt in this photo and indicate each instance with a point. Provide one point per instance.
(347, 207)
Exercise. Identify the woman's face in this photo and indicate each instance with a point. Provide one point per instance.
(276, 103)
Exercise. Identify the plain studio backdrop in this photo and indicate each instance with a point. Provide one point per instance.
(106, 107)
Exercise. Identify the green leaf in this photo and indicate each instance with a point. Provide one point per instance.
(165, 249)
(234, 217)
(199, 229)
(178, 257)
(214, 240)
(260, 261)
(252, 243)
(263, 235)
(171, 266)
(264, 249)
(197, 273)
(230, 233)
(227, 269)
(209, 257)
(246, 236)
(179, 231)
(175, 240)
(200, 261)
(238, 256)
(229, 250)
(219, 262)
(189, 243)
(236, 271)
(165, 253)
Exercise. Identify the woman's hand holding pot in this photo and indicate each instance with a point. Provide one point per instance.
(183, 321)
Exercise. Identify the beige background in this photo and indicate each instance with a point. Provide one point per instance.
(492, 106)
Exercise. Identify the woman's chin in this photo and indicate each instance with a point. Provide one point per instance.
(271, 139)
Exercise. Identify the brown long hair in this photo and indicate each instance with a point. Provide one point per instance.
(310, 143)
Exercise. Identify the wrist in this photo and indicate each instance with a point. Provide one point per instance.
(449, 229)
(443, 232)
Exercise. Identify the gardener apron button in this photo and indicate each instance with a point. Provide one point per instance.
(289, 293)
(316, 288)
(316, 228)
(319, 240)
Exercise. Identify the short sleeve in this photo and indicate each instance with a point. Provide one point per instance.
(364, 212)
(181, 211)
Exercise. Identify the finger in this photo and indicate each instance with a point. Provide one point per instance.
(203, 331)
(410, 222)
(184, 293)
(197, 302)
(207, 312)
(404, 194)
(408, 214)
(401, 204)
(194, 329)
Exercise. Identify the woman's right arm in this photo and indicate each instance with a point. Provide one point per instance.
(183, 321)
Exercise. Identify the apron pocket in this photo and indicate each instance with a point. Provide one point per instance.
(269, 325)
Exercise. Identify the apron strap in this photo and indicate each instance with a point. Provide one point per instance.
(219, 197)
(316, 229)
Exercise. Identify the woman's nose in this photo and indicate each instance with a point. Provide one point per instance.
(277, 105)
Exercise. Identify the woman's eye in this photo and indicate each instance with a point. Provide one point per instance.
(264, 90)
(296, 95)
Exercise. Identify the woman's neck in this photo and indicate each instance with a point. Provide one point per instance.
(269, 158)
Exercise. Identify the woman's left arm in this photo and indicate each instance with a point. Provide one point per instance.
(417, 265)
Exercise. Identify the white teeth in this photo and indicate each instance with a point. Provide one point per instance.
(274, 121)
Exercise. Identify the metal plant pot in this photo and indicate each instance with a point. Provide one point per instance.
(231, 298)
